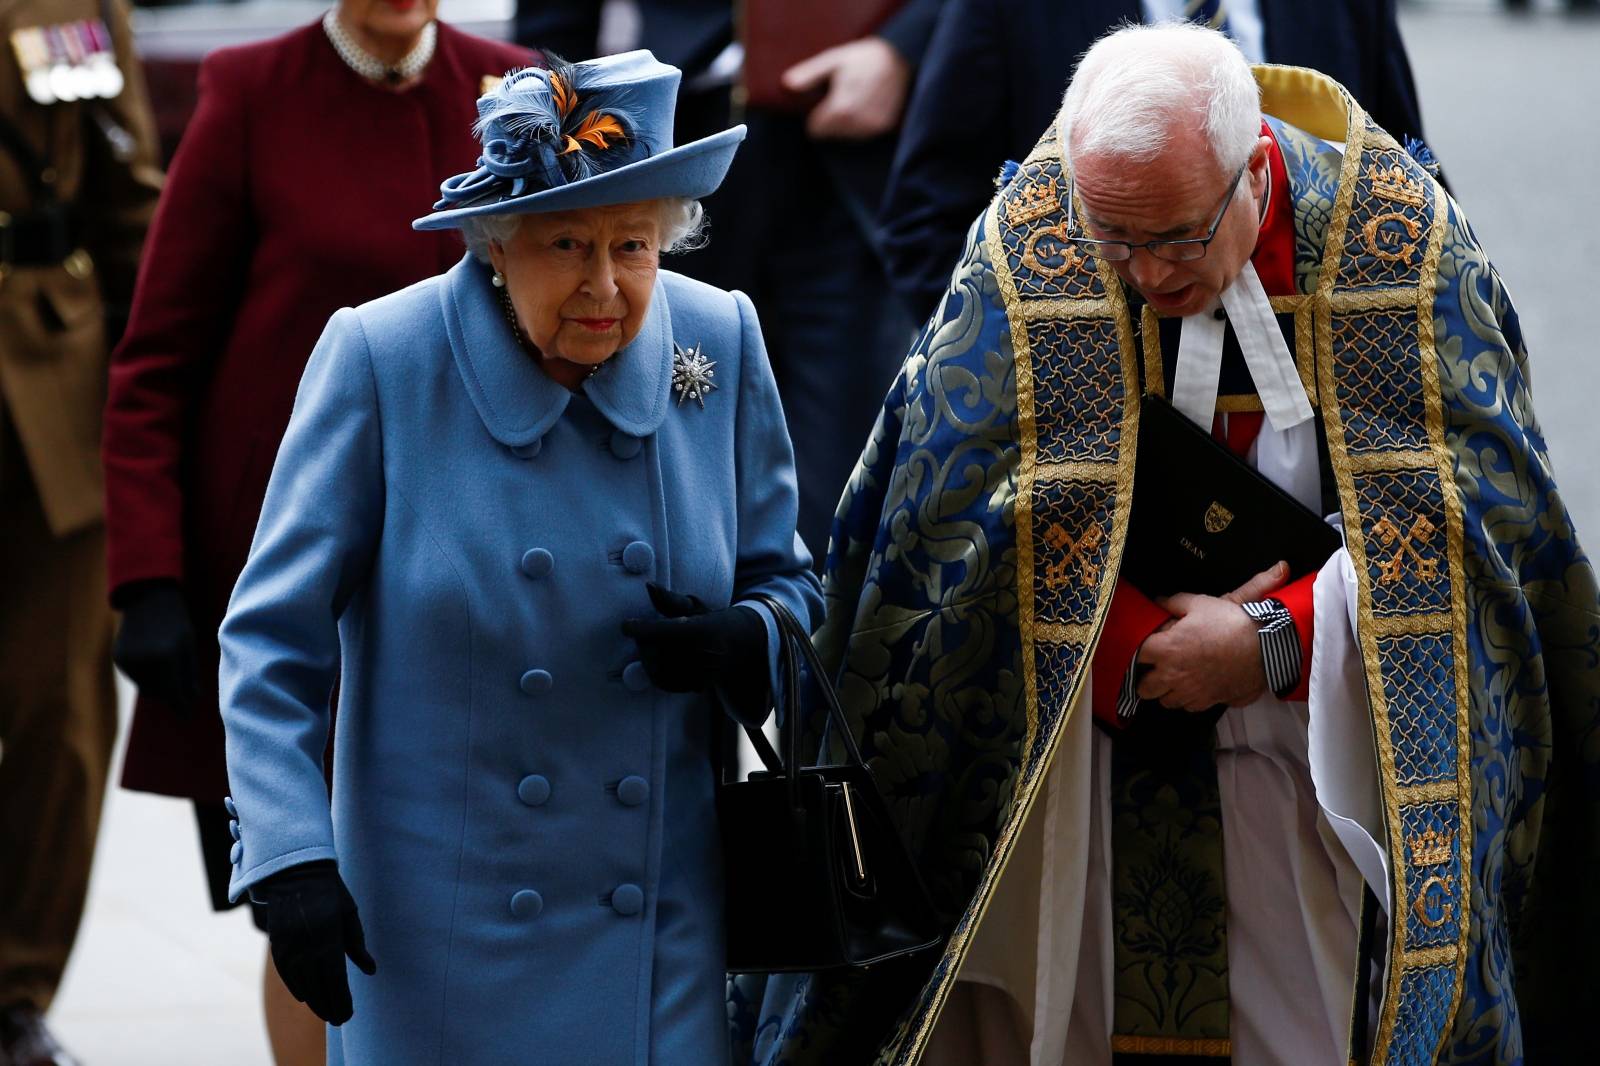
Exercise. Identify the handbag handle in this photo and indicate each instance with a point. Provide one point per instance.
(793, 638)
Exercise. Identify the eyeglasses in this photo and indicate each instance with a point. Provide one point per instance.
(1185, 250)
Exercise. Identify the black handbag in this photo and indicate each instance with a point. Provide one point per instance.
(818, 877)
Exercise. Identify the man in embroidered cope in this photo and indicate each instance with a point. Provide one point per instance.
(1360, 860)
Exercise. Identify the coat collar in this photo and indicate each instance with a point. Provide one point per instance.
(517, 401)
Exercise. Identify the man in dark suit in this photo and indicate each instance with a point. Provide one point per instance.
(793, 225)
(993, 76)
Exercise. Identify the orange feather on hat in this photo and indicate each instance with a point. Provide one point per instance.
(562, 95)
(597, 128)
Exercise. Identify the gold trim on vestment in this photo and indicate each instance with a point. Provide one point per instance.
(1210, 1048)
(1155, 378)
(1113, 305)
(1055, 633)
(1368, 462)
(1074, 471)
(1424, 957)
(1355, 545)
(1028, 446)
(1434, 792)
(1062, 308)
(1375, 300)
(1427, 292)
(1305, 348)
(1415, 295)
(1410, 624)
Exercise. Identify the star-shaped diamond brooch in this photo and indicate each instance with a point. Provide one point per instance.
(691, 374)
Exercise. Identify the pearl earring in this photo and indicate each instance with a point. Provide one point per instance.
(499, 280)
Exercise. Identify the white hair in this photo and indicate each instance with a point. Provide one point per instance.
(1139, 84)
(683, 228)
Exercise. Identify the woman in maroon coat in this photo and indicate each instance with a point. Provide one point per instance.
(291, 196)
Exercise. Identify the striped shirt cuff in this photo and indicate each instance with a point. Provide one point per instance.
(1128, 698)
(1280, 644)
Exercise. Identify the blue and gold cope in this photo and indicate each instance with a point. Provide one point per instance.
(977, 545)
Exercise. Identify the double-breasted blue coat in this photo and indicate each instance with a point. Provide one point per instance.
(526, 824)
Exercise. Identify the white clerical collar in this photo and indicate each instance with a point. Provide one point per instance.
(1271, 364)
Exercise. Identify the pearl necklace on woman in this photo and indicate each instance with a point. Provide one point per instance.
(371, 67)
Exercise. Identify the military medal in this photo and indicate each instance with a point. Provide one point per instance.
(102, 65)
(68, 61)
(691, 374)
(33, 57)
(63, 85)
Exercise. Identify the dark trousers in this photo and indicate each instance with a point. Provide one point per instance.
(791, 228)
(58, 722)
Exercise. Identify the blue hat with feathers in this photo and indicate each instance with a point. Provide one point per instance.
(581, 135)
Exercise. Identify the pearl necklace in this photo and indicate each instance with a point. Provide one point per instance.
(371, 67)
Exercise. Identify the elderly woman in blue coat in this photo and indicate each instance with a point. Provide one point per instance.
(519, 514)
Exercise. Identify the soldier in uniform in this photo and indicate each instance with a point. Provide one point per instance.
(79, 179)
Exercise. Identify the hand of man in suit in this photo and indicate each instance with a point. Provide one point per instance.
(312, 925)
(156, 646)
(692, 648)
(1210, 653)
(867, 83)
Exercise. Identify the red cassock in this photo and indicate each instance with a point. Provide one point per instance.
(291, 196)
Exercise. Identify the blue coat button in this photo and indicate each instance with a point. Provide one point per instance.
(625, 445)
(236, 853)
(635, 677)
(534, 790)
(537, 562)
(227, 802)
(638, 557)
(627, 900)
(527, 904)
(233, 830)
(537, 682)
(527, 451)
(633, 791)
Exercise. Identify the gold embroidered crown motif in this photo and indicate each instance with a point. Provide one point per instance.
(1034, 201)
(1396, 185)
(1430, 847)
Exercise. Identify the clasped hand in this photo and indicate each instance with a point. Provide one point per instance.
(693, 648)
(1209, 652)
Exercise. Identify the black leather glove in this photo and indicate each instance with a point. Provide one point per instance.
(692, 648)
(156, 646)
(312, 925)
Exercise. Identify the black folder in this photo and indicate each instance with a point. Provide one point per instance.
(1203, 520)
